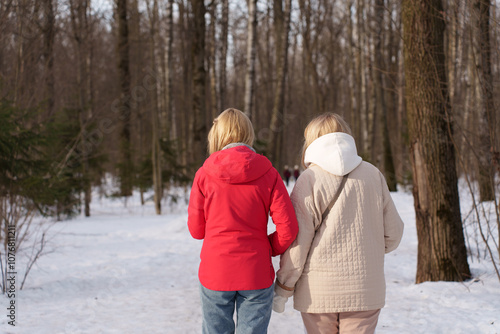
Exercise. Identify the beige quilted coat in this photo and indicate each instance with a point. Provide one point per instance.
(341, 269)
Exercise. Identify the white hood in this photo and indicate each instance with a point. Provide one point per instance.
(334, 152)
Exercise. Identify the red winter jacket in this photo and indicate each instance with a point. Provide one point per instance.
(232, 195)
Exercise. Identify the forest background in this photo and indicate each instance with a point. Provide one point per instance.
(129, 88)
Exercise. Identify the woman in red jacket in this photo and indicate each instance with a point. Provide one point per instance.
(232, 196)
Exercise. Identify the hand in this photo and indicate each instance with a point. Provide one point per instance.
(279, 303)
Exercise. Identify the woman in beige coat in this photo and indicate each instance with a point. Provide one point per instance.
(335, 267)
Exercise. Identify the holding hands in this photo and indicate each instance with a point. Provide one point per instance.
(279, 303)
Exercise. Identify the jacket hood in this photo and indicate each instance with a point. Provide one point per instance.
(334, 152)
(239, 164)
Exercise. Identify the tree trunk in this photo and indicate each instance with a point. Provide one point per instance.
(214, 106)
(155, 110)
(89, 96)
(4, 12)
(48, 55)
(482, 57)
(82, 38)
(184, 119)
(310, 65)
(364, 141)
(169, 112)
(124, 107)
(353, 115)
(20, 11)
(223, 55)
(393, 113)
(442, 254)
(282, 28)
(381, 106)
(451, 48)
(251, 45)
(199, 128)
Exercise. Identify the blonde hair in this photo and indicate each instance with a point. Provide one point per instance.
(231, 126)
(322, 125)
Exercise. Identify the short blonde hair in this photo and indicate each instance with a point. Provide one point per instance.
(322, 125)
(232, 126)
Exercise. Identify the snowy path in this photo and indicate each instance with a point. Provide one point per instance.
(129, 271)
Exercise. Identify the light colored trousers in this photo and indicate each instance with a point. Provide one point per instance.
(363, 322)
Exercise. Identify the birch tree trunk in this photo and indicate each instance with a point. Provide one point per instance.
(441, 248)
(251, 45)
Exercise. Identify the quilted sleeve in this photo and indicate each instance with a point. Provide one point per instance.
(196, 212)
(293, 260)
(393, 225)
(283, 216)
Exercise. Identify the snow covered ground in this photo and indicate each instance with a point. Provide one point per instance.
(126, 270)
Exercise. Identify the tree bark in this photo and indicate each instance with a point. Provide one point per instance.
(155, 111)
(282, 29)
(364, 142)
(124, 107)
(251, 47)
(185, 117)
(82, 38)
(48, 55)
(381, 105)
(213, 60)
(442, 254)
(21, 28)
(199, 128)
(223, 55)
(5, 9)
(486, 108)
(310, 65)
(169, 112)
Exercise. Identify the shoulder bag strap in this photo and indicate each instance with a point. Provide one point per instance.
(325, 213)
(332, 203)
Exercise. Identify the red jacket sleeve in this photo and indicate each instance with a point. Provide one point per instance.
(196, 212)
(283, 215)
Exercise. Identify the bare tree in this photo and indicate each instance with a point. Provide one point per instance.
(282, 29)
(481, 48)
(199, 127)
(212, 59)
(49, 32)
(82, 40)
(251, 45)
(381, 105)
(223, 54)
(441, 247)
(124, 108)
(169, 117)
(155, 110)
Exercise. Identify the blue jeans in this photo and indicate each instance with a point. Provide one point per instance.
(253, 310)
